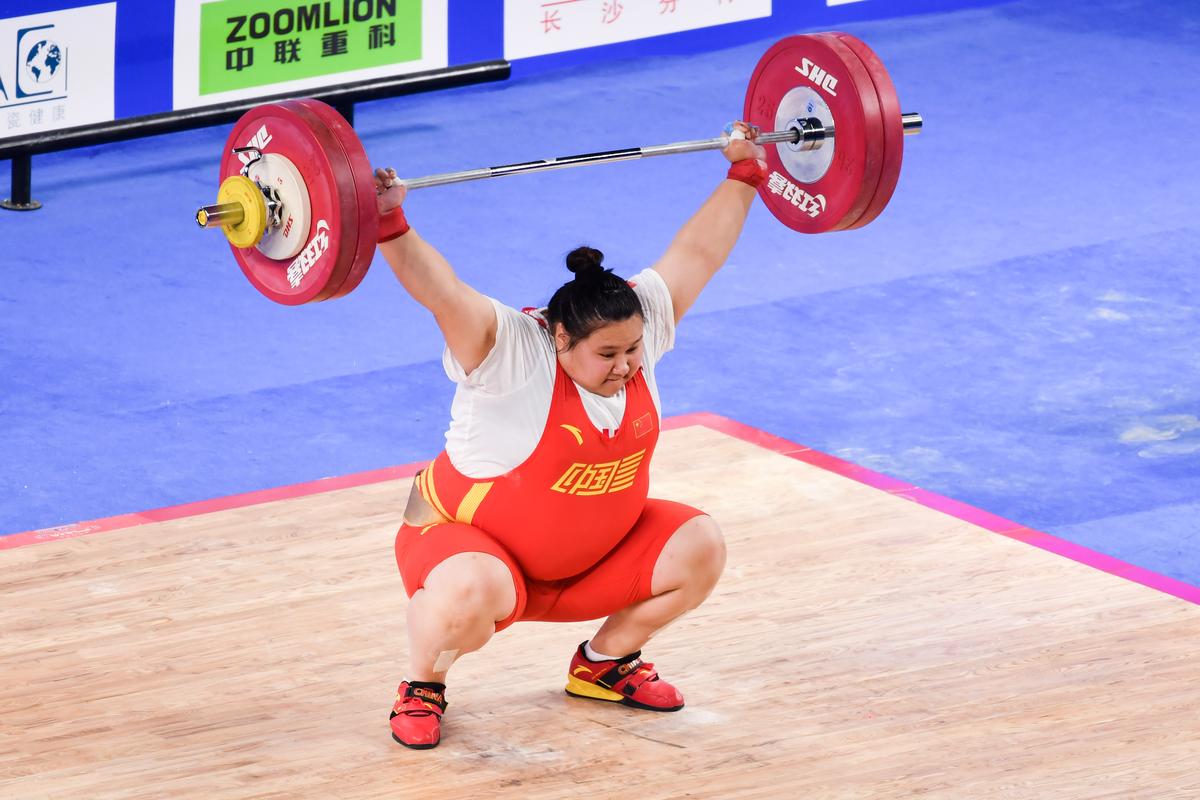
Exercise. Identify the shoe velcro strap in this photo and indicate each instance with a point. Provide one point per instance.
(646, 673)
(420, 701)
(625, 672)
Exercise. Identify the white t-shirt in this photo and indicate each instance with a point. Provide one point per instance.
(500, 409)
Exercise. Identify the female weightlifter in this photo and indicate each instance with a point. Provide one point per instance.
(537, 509)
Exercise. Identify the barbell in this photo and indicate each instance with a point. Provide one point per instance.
(297, 199)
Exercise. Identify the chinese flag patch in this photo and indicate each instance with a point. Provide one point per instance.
(643, 425)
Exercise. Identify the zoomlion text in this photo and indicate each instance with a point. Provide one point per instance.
(307, 17)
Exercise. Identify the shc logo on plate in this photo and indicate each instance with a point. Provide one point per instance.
(258, 141)
(820, 77)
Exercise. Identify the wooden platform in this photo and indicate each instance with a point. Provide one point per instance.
(859, 645)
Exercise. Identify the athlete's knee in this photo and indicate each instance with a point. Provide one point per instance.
(472, 585)
(693, 558)
(707, 545)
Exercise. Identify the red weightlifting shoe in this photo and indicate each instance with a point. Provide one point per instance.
(628, 681)
(417, 715)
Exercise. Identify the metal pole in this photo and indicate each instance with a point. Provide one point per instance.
(22, 180)
(812, 134)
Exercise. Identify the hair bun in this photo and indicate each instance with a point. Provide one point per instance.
(585, 261)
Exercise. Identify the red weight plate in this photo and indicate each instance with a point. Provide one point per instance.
(321, 266)
(364, 191)
(343, 178)
(893, 127)
(817, 75)
(873, 128)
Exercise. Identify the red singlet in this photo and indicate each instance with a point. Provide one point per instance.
(572, 523)
(573, 499)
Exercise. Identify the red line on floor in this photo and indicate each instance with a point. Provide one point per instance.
(746, 433)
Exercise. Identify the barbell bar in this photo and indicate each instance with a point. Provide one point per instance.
(809, 133)
(297, 197)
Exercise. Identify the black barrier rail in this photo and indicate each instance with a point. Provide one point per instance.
(22, 149)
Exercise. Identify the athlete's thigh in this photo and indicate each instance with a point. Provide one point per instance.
(621, 578)
(420, 549)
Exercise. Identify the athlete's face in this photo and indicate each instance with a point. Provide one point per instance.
(606, 360)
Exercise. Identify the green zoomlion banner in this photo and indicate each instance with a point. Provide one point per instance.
(247, 44)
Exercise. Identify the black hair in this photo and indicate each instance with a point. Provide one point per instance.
(594, 298)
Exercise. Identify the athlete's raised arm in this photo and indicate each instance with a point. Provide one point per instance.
(705, 241)
(466, 318)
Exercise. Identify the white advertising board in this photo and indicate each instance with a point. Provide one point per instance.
(538, 27)
(57, 69)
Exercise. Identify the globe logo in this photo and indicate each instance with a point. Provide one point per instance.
(43, 61)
